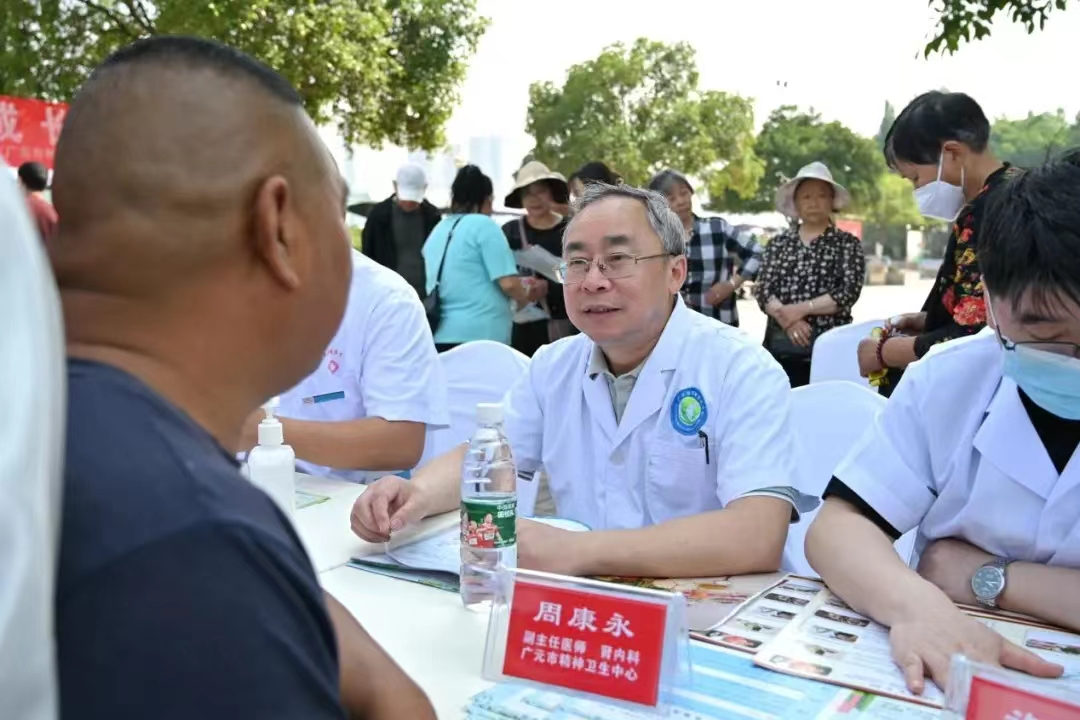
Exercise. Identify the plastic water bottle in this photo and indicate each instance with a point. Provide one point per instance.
(488, 508)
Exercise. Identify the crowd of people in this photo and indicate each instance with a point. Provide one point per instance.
(182, 591)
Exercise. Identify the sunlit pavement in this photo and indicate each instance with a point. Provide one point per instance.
(876, 303)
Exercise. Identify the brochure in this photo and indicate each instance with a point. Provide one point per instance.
(724, 685)
(709, 601)
(830, 642)
(761, 617)
(432, 556)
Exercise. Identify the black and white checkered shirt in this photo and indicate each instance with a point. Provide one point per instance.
(710, 258)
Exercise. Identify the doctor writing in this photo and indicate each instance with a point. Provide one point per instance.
(977, 448)
(663, 430)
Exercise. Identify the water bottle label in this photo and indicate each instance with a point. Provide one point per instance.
(489, 525)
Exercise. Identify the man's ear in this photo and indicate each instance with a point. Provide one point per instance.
(277, 234)
(678, 272)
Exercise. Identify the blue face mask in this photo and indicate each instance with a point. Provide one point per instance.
(1052, 381)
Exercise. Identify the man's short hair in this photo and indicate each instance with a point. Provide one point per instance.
(196, 52)
(34, 176)
(1030, 237)
(664, 222)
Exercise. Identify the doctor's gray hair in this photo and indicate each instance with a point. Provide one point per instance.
(665, 223)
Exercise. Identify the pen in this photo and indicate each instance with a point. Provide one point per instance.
(704, 444)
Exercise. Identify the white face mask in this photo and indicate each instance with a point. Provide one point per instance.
(939, 199)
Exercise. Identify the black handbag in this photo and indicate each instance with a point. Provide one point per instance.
(780, 345)
(432, 302)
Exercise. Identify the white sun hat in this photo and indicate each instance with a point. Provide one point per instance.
(785, 194)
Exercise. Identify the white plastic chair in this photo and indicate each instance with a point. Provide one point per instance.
(827, 419)
(34, 387)
(476, 372)
(836, 353)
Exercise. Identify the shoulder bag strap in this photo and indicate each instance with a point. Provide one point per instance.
(442, 262)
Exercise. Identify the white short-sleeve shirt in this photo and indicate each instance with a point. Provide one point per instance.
(33, 385)
(955, 454)
(381, 363)
(706, 423)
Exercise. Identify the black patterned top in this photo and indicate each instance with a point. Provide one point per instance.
(793, 272)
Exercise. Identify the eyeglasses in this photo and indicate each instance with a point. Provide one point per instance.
(613, 266)
(1067, 349)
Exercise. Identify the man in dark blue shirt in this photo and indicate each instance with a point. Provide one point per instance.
(203, 266)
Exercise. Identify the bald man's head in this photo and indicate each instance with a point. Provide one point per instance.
(188, 172)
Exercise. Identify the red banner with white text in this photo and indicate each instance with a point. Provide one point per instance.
(29, 130)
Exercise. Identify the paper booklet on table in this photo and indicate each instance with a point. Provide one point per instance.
(432, 555)
(800, 628)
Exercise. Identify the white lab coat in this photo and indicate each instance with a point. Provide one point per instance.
(643, 471)
(34, 388)
(955, 454)
(381, 363)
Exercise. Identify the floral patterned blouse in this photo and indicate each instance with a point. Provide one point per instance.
(955, 307)
(793, 272)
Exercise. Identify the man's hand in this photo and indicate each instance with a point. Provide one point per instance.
(546, 548)
(950, 564)
(909, 324)
(788, 315)
(868, 359)
(800, 333)
(719, 292)
(924, 645)
(388, 505)
(249, 434)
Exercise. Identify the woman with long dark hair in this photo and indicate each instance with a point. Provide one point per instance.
(466, 255)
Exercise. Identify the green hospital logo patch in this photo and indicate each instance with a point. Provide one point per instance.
(688, 411)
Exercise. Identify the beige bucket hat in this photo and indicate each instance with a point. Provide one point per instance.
(785, 194)
(534, 172)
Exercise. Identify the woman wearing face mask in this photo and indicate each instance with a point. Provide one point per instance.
(539, 191)
(940, 142)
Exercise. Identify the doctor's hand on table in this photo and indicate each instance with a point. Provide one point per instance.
(925, 639)
(388, 505)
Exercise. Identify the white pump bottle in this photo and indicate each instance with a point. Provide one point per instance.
(272, 464)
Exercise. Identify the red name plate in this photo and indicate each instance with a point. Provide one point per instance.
(990, 700)
(586, 640)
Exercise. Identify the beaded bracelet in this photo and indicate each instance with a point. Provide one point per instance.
(881, 349)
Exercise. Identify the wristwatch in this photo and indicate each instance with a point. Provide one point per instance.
(988, 582)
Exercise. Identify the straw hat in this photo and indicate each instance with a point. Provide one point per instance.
(534, 172)
(785, 194)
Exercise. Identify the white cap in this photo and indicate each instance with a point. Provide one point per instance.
(411, 183)
(489, 413)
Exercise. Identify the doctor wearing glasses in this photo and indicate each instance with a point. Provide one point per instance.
(663, 430)
(977, 448)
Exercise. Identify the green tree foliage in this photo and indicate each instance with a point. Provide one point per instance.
(1035, 139)
(791, 139)
(965, 20)
(639, 109)
(895, 204)
(384, 70)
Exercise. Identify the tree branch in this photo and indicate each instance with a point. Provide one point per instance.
(138, 12)
(120, 21)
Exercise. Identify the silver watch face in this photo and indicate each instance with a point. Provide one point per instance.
(988, 582)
